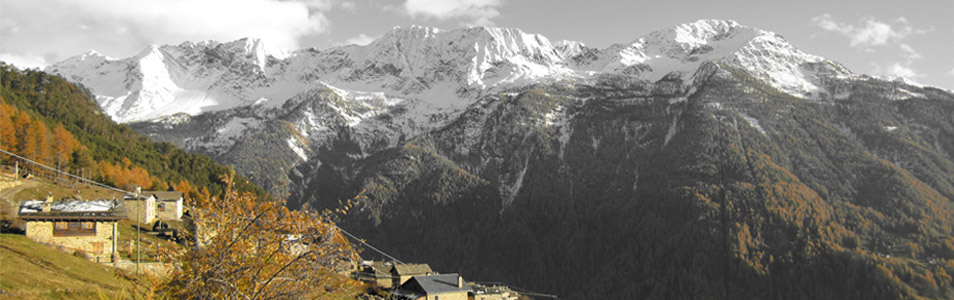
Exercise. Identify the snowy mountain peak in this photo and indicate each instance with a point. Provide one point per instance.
(150, 51)
(498, 43)
(87, 59)
(682, 49)
(478, 57)
(445, 69)
(412, 32)
(702, 31)
(92, 54)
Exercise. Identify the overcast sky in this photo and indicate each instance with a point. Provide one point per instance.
(913, 38)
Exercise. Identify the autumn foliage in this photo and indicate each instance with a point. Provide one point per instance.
(32, 138)
(44, 117)
(125, 174)
(251, 249)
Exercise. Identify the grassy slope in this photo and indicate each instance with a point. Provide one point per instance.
(20, 255)
(38, 189)
(31, 270)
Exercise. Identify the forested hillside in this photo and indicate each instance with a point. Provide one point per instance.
(737, 191)
(49, 120)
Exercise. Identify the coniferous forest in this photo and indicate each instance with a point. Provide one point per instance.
(738, 192)
(49, 120)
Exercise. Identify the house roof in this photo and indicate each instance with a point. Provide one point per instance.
(381, 268)
(73, 210)
(164, 195)
(432, 284)
(412, 269)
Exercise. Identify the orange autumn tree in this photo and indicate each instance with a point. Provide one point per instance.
(8, 136)
(126, 175)
(41, 150)
(26, 139)
(252, 249)
(63, 146)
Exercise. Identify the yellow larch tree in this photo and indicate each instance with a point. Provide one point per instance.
(244, 248)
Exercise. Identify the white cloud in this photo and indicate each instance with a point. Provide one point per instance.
(898, 69)
(472, 12)
(902, 69)
(361, 39)
(56, 29)
(909, 53)
(871, 33)
(24, 61)
(951, 72)
(349, 6)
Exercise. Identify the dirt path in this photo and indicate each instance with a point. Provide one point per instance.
(8, 193)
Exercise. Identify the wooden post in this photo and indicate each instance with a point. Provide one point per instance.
(138, 231)
(115, 256)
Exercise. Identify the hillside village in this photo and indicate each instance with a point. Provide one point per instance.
(104, 231)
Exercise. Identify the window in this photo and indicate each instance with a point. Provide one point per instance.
(74, 228)
(98, 247)
(162, 207)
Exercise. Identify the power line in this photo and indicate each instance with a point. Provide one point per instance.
(369, 245)
(65, 173)
(521, 290)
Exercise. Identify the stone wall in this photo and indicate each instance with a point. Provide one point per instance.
(449, 296)
(148, 209)
(9, 183)
(151, 268)
(42, 232)
(169, 210)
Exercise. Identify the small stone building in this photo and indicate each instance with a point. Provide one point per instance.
(88, 227)
(401, 273)
(482, 292)
(377, 272)
(142, 208)
(168, 204)
(433, 287)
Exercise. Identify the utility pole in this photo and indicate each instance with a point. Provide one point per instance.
(138, 230)
(114, 256)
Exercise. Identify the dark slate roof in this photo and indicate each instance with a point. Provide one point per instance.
(73, 210)
(161, 195)
(412, 269)
(433, 284)
(381, 269)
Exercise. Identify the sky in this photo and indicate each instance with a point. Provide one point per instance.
(912, 39)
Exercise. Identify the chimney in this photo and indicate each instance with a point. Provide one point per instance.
(45, 206)
(460, 281)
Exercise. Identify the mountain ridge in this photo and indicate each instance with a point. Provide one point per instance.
(693, 162)
(446, 69)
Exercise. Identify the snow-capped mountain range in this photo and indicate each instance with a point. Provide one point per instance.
(428, 69)
(623, 165)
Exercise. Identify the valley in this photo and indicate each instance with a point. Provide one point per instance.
(705, 160)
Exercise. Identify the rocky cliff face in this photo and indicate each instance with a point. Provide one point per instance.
(705, 160)
(632, 191)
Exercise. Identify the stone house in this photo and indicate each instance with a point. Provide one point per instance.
(482, 292)
(88, 227)
(433, 287)
(377, 272)
(168, 204)
(401, 273)
(142, 208)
